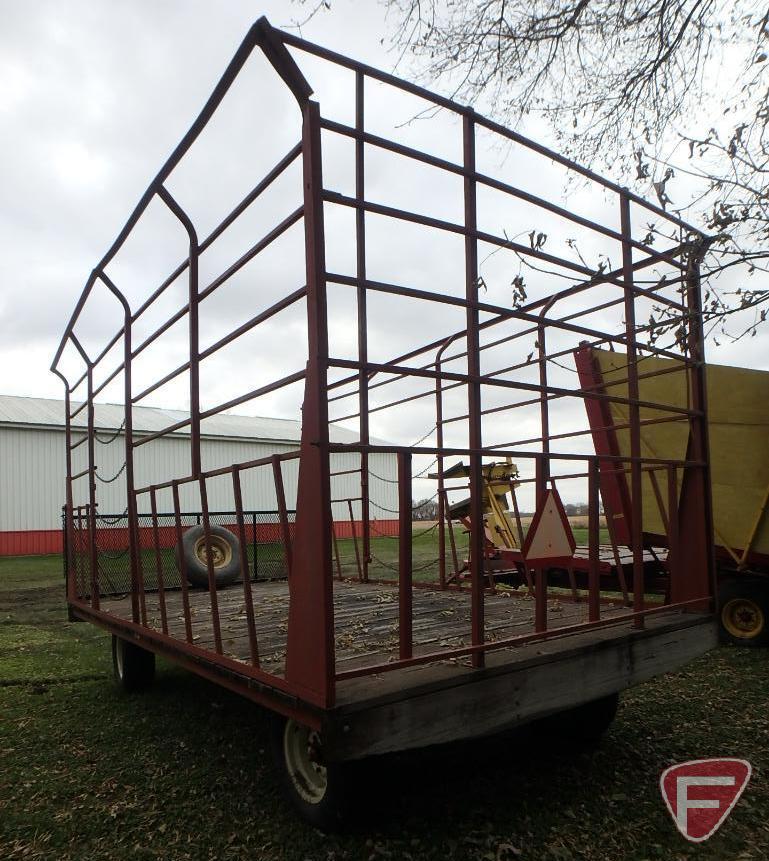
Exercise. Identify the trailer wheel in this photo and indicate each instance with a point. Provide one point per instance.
(225, 554)
(134, 667)
(318, 790)
(585, 724)
(744, 612)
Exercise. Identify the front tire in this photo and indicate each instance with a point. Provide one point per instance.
(133, 667)
(319, 791)
(743, 611)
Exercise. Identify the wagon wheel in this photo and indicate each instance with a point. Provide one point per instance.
(224, 550)
(744, 611)
(319, 791)
(133, 667)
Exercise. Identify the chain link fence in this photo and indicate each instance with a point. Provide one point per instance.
(264, 549)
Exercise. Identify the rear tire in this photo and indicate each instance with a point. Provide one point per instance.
(319, 791)
(134, 667)
(585, 724)
(743, 611)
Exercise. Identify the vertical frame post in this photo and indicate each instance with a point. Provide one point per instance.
(360, 245)
(237, 492)
(672, 560)
(310, 649)
(69, 514)
(473, 391)
(634, 414)
(696, 568)
(92, 552)
(280, 494)
(158, 560)
(593, 542)
(405, 572)
(182, 563)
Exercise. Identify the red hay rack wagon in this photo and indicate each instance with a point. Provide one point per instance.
(389, 271)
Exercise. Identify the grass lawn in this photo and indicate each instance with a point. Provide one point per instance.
(181, 772)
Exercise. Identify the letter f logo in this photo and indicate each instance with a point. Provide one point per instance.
(701, 793)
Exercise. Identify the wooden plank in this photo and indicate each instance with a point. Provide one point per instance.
(366, 618)
(482, 702)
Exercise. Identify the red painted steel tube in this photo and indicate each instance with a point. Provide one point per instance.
(280, 495)
(504, 314)
(634, 416)
(360, 273)
(249, 396)
(450, 167)
(697, 565)
(354, 538)
(530, 307)
(251, 682)
(593, 542)
(182, 563)
(405, 599)
(158, 561)
(161, 382)
(92, 551)
(505, 384)
(210, 566)
(194, 326)
(540, 599)
(513, 453)
(224, 470)
(252, 252)
(673, 545)
(279, 306)
(245, 574)
(474, 379)
(515, 137)
(310, 649)
(260, 34)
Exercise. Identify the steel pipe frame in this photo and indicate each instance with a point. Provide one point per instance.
(313, 674)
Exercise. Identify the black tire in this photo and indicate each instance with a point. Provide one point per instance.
(585, 724)
(320, 792)
(226, 552)
(743, 611)
(134, 667)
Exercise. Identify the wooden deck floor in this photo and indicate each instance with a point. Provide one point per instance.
(366, 620)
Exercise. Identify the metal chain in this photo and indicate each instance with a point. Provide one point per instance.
(103, 552)
(413, 570)
(413, 507)
(415, 444)
(395, 480)
(111, 521)
(113, 437)
(114, 477)
(397, 537)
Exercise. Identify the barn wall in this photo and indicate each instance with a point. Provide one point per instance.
(32, 485)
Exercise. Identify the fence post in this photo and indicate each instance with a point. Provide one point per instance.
(254, 542)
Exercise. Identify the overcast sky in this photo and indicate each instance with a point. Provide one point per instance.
(93, 98)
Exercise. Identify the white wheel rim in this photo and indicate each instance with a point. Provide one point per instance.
(119, 658)
(302, 752)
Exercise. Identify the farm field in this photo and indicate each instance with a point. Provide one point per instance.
(182, 772)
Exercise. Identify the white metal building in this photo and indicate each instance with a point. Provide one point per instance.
(32, 467)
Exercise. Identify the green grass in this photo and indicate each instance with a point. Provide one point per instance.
(181, 772)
